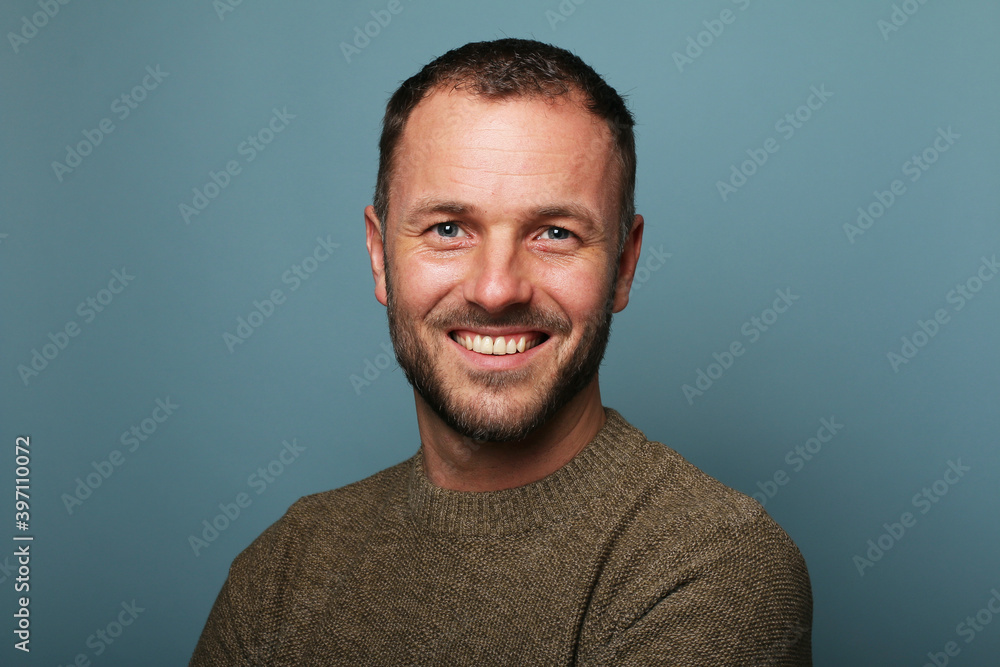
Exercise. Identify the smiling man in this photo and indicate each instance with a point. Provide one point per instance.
(533, 526)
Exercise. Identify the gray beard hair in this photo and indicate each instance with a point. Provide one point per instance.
(480, 423)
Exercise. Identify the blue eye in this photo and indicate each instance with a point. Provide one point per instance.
(447, 229)
(557, 233)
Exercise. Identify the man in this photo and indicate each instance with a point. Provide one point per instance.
(532, 526)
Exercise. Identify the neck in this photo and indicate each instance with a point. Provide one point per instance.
(454, 462)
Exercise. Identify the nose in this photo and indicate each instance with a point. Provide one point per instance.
(499, 275)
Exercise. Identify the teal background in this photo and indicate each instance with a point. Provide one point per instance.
(826, 357)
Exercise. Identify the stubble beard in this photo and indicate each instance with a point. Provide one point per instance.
(481, 409)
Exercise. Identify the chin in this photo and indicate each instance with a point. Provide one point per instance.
(484, 424)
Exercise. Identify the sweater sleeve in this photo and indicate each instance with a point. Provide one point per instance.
(244, 619)
(747, 602)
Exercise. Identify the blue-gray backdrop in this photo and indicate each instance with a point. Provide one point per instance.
(187, 309)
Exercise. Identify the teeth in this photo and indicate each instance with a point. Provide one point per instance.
(499, 346)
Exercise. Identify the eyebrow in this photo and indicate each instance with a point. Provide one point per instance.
(428, 206)
(454, 207)
(569, 210)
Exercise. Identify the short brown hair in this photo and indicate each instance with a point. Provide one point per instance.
(511, 68)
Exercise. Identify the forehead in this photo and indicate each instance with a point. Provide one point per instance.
(516, 151)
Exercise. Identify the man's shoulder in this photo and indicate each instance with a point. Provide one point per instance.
(678, 483)
(696, 570)
(695, 513)
(322, 519)
(692, 493)
(354, 500)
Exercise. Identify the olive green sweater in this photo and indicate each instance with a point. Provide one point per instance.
(627, 555)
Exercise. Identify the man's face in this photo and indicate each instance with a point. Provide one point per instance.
(502, 235)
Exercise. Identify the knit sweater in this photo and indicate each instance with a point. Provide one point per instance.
(627, 555)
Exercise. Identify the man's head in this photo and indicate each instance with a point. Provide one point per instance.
(506, 177)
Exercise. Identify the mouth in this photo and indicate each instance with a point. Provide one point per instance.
(498, 343)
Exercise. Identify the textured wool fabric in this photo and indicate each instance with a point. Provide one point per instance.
(627, 555)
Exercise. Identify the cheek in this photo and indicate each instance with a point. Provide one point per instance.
(422, 284)
(579, 292)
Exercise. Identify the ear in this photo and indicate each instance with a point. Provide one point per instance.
(626, 265)
(376, 252)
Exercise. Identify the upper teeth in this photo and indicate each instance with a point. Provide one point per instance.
(496, 346)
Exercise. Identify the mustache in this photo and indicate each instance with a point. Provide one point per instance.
(520, 317)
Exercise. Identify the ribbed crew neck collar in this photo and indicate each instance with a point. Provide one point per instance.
(615, 454)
